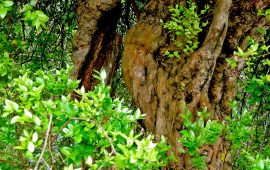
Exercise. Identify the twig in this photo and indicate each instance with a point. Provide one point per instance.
(50, 147)
(113, 152)
(106, 136)
(60, 130)
(45, 142)
(63, 161)
(13, 163)
(48, 166)
(64, 125)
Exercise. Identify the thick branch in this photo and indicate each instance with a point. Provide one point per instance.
(218, 28)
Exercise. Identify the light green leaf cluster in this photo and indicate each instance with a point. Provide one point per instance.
(185, 22)
(196, 134)
(36, 17)
(258, 162)
(101, 130)
(239, 129)
(5, 6)
(6, 67)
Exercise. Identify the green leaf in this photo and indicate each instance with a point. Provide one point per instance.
(133, 159)
(26, 133)
(33, 2)
(15, 119)
(3, 12)
(124, 149)
(36, 23)
(42, 17)
(240, 53)
(29, 155)
(23, 88)
(89, 161)
(70, 167)
(253, 47)
(7, 3)
(261, 30)
(66, 151)
(232, 62)
(36, 120)
(35, 137)
(261, 164)
(67, 132)
(28, 113)
(11, 106)
(31, 146)
(78, 138)
(19, 147)
(267, 77)
(103, 75)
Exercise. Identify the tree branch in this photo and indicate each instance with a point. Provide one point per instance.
(135, 9)
(62, 127)
(113, 152)
(219, 24)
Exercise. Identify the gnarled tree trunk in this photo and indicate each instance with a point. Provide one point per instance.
(159, 85)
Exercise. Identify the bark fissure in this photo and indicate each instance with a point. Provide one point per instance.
(96, 42)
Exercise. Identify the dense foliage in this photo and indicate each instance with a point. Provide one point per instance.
(46, 121)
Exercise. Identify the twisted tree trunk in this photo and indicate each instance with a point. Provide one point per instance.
(160, 85)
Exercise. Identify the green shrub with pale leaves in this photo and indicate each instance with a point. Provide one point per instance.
(96, 128)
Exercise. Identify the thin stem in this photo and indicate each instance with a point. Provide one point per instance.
(107, 137)
(45, 142)
(46, 164)
(113, 152)
(67, 122)
(50, 147)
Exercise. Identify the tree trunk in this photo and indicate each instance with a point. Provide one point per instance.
(160, 85)
(96, 43)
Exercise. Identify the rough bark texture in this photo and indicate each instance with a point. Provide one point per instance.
(96, 43)
(160, 86)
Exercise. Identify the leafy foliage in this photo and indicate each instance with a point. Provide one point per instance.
(47, 122)
(5, 6)
(184, 28)
(198, 133)
(254, 100)
(37, 39)
(96, 126)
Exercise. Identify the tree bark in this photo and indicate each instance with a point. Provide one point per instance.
(160, 85)
(96, 43)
